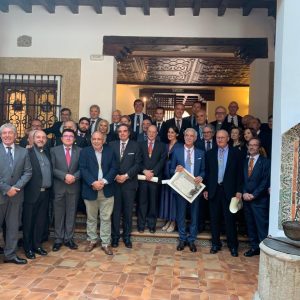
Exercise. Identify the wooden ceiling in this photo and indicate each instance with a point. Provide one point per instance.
(145, 6)
(184, 61)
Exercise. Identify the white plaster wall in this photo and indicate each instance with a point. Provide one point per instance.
(65, 35)
(259, 89)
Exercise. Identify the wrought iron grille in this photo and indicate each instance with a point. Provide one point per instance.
(27, 97)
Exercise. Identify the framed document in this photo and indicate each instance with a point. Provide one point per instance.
(183, 183)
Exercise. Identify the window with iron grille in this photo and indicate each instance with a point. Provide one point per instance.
(27, 97)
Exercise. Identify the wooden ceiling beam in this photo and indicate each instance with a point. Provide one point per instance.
(196, 7)
(122, 7)
(222, 7)
(97, 5)
(171, 8)
(247, 8)
(26, 5)
(73, 6)
(49, 5)
(4, 6)
(146, 7)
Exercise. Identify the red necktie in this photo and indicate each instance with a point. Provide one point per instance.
(150, 149)
(68, 157)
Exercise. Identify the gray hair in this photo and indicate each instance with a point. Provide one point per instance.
(210, 127)
(99, 132)
(191, 130)
(10, 126)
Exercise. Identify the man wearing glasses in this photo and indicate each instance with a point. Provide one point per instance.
(66, 186)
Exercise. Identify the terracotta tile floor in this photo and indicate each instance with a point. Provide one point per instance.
(148, 271)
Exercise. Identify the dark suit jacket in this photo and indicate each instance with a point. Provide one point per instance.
(32, 189)
(226, 126)
(184, 125)
(162, 132)
(259, 181)
(18, 176)
(192, 120)
(54, 129)
(200, 144)
(199, 161)
(60, 169)
(229, 125)
(96, 125)
(145, 117)
(233, 176)
(130, 163)
(89, 169)
(157, 160)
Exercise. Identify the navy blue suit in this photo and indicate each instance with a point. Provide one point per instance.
(257, 210)
(89, 168)
(181, 203)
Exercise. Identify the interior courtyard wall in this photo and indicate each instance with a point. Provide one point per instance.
(67, 35)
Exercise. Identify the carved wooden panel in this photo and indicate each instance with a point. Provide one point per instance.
(184, 71)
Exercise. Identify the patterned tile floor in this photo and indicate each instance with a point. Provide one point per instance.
(148, 271)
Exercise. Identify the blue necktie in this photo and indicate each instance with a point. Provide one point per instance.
(10, 157)
(220, 165)
(188, 162)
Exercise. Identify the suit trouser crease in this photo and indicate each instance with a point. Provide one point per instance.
(148, 194)
(123, 203)
(257, 220)
(34, 221)
(217, 206)
(104, 206)
(181, 207)
(9, 212)
(65, 206)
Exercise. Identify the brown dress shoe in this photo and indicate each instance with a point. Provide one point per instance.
(107, 250)
(90, 246)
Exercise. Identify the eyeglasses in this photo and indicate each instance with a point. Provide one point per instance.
(205, 132)
(68, 136)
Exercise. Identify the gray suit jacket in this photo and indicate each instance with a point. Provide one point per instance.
(60, 169)
(18, 176)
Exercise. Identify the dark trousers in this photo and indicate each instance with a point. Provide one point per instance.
(147, 208)
(34, 221)
(203, 213)
(10, 214)
(123, 204)
(181, 207)
(219, 206)
(257, 220)
(65, 207)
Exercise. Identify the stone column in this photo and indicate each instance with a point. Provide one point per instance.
(286, 113)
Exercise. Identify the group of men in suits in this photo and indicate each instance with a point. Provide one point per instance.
(108, 175)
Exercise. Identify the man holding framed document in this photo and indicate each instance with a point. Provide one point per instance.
(187, 160)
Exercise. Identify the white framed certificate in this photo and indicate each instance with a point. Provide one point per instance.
(184, 184)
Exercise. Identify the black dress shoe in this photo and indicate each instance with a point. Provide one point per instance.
(252, 252)
(181, 245)
(115, 243)
(192, 247)
(152, 230)
(71, 245)
(30, 254)
(1, 250)
(17, 260)
(234, 252)
(128, 243)
(56, 247)
(41, 251)
(214, 249)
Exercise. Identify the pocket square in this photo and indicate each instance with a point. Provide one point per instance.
(199, 158)
(131, 153)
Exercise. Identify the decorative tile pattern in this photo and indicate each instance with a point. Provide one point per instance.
(290, 175)
(148, 271)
